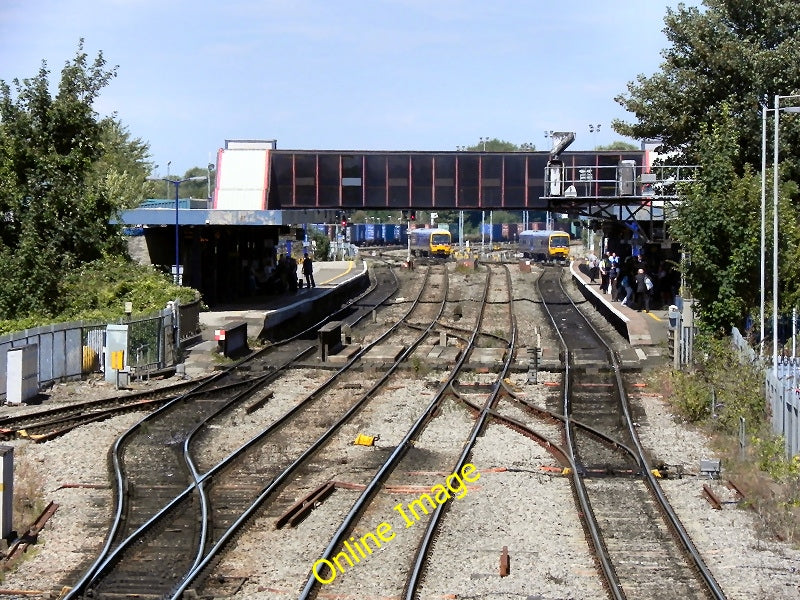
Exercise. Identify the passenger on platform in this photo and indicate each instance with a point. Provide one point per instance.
(613, 272)
(625, 284)
(263, 274)
(644, 286)
(308, 270)
(593, 263)
(275, 283)
(605, 265)
(291, 272)
(283, 272)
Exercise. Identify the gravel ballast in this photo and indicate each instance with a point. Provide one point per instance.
(515, 503)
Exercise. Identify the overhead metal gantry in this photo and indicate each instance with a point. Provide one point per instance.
(623, 191)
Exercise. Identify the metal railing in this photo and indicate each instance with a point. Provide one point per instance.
(657, 182)
(67, 351)
(781, 391)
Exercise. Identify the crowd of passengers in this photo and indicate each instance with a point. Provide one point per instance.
(266, 278)
(633, 282)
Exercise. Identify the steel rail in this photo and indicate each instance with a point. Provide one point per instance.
(672, 518)
(418, 570)
(280, 479)
(394, 458)
(712, 587)
(578, 486)
(106, 556)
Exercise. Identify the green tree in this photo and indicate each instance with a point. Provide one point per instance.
(731, 53)
(618, 145)
(64, 172)
(122, 168)
(497, 145)
(718, 227)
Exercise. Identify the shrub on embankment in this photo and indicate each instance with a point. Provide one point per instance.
(98, 292)
(718, 394)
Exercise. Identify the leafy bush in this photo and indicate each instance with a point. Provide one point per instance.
(771, 454)
(98, 291)
(738, 389)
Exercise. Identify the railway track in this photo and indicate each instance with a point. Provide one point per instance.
(228, 487)
(640, 546)
(435, 444)
(49, 423)
(220, 499)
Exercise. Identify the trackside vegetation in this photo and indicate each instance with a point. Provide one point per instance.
(65, 172)
(98, 290)
(725, 62)
(717, 396)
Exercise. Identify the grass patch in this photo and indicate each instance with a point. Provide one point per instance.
(29, 494)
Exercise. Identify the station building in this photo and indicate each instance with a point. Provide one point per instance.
(264, 199)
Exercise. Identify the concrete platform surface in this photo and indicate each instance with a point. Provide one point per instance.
(255, 310)
(202, 358)
(644, 328)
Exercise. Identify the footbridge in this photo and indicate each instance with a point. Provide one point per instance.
(605, 184)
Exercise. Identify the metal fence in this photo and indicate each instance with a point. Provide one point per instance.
(66, 351)
(782, 392)
(188, 322)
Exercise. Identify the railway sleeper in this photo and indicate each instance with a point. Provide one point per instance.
(300, 509)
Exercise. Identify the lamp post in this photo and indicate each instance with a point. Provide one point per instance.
(763, 220)
(594, 129)
(483, 141)
(177, 183)
(778, 110)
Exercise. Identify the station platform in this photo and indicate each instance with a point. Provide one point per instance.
(334, 280)
(648, 331)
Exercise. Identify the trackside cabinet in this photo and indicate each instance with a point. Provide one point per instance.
(22, 381)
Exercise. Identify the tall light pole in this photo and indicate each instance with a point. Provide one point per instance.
(594, 129)
(177, 183)
(483, 141)
(763, 221)
(778, 110)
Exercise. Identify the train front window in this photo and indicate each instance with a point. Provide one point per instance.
(440, 238)
(559, 242)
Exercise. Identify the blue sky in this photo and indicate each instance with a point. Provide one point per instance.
(346, 74)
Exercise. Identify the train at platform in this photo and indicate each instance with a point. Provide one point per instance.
(386, 234)
(430, 242)
(544, 244)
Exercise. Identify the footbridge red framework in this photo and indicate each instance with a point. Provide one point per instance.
(581, 183)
